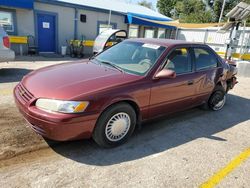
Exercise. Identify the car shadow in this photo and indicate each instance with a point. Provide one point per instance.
(12, 74)
(162, 134)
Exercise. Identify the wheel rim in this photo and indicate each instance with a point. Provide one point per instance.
(117, 127)
(219, 105)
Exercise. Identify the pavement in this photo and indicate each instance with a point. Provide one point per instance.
(194, 148)
(243, 68)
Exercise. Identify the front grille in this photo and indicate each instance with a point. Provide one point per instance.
(24, 94)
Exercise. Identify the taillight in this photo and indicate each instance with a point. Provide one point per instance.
(6, 42)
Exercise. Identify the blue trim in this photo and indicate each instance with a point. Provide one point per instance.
(13, 12)
(114, 25)
(131, 15)
(137, 21)
(36, 12)
(27, 4)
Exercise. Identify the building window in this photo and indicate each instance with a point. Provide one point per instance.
(83, 18)
(161, 33)
(104, 26)
(6, 20)
(133, 31)
(149, 33)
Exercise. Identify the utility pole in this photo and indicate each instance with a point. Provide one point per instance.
(222, 10)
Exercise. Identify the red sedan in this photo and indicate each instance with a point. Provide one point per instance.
(107, 96)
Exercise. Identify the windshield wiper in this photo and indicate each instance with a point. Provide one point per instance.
(112, 65)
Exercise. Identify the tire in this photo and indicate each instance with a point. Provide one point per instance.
(115, 125)
(218, 99)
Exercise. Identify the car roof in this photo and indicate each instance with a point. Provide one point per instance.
(164, 42)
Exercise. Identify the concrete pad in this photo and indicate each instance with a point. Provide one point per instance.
(243, 68)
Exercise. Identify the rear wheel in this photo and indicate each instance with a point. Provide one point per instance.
(115, 125)
(218, 99)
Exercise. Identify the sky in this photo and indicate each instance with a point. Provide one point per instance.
(135, 1)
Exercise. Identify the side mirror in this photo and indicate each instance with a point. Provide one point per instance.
(165, 73)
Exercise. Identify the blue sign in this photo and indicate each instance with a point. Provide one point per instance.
(28, 4)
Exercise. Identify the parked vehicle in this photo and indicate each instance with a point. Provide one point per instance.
(108, 38)
(107, 96)
(6, 54)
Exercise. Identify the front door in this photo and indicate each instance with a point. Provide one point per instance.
(172, 95)
(46, 27)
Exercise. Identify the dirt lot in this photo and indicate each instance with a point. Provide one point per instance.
(184, 150)
(15, 136)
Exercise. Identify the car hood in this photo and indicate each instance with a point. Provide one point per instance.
(69, 80)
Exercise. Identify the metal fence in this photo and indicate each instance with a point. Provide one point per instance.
(217, 41)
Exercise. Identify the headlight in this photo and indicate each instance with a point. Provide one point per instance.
(62, 106)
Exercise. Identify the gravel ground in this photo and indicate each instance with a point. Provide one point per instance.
(15, 136)
(183, 150)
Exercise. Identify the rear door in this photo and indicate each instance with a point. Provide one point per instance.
(171, 95)
(208, 70)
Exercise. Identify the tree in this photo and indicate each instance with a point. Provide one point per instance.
(197, 11)
(230, 4)
(193, 11)
(165, 7)
(147, 4)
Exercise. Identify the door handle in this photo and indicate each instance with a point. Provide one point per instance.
(190, 82)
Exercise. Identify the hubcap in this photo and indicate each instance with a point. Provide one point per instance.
(219, 105)
(117, 127)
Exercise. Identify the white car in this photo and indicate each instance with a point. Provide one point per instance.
(6, 54)
(108, 38)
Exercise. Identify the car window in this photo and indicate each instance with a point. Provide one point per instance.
(204, 59)
(133, 57)
(178, 60)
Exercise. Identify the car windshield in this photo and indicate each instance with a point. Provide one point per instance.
(132, 57)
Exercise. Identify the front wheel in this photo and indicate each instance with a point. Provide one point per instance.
(115, 125)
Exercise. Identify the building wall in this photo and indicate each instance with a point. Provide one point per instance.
(90, 29)
(25, 22)
(141, 32)
(65, 21)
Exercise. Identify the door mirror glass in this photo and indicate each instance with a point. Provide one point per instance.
(165, 73)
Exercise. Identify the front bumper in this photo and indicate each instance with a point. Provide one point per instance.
(56, 126)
